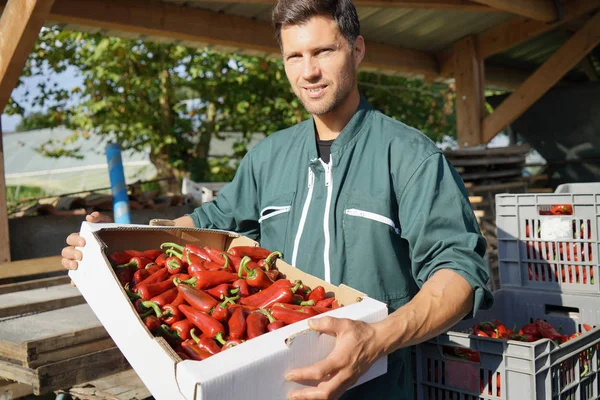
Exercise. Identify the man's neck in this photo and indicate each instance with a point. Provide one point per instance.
(328, 126)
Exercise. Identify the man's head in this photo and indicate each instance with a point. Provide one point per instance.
(322, 48)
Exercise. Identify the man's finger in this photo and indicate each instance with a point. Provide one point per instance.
(75, 240)
(97, 217)
(71, 253)
(328, 325)
(328, 389)
(69, 264)
(316, 372)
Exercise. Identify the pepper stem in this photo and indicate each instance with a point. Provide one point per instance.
(229, 300)
(226, 266)
(176, 281)
(270, 257)
(234, 291)
(173, 252)
(154, 306)
(267, 314)
(243, 267)
(192, 281)
(219, 338)
(130, 294)
(172, 245)
(193, 335)
(173, 264)
(295, 288)
(307, 303)
(169, 334)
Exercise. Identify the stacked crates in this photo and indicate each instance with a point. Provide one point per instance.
(548, 250)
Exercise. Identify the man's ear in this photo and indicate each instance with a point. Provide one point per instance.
(359, 50)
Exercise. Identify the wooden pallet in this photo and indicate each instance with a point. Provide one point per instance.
(49, 338)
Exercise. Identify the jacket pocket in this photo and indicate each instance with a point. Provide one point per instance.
(274, 220)
(372, 216)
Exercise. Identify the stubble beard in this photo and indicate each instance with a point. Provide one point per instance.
(327, 105)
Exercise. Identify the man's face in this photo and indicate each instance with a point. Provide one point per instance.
(319, 63)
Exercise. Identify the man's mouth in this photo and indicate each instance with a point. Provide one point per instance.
(315, 91)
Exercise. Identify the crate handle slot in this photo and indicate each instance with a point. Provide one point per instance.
(562, 311)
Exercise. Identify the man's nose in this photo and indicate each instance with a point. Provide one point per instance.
(311, 69)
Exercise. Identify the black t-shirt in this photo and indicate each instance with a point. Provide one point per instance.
(324, 149)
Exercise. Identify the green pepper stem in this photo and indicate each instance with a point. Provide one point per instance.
(193, 335)
(176, 281)
(154, 306)
(267, 314)
(226, 260)
(147, 314)
(130, 294)
(173, 245)
(585, 371)
(270, 257)
(173, 252)
(307, 303)
(295, 288)
(229, 300)
(243, 267)
(234, 291)
(173, 264)
(192, 281)
(219, 338)
(169, 333)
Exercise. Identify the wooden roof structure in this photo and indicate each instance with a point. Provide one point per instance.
(524, 46)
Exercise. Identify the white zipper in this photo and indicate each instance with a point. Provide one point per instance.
(329, 185)
(311, 183)
(276, 211)
(372, 216)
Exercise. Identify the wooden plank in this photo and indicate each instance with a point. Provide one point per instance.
(561, 62)
(32, 267)
(26, 338)
(463, 162)
(208, 27)
(70, 352)
(14, 390)
(66, 373)
(125, 385)
(38, 300)
(488, 152)
(20, 24)
(541, 10)
(469, 92)
(35, 284)
(491, 174)
(497, 187)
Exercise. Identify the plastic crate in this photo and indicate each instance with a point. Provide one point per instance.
(558, 253)
(512, 370)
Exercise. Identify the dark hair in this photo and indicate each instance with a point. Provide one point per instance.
(297, 12)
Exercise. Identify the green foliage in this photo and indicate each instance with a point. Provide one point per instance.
(38, 120)
(173, 100)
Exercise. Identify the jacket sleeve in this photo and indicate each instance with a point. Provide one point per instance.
(441, 229)
(236, 207)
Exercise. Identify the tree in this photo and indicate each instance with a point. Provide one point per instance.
(37, 120)
(174, 99)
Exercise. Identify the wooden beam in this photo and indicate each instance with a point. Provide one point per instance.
(20, 25)
(30, 268)
(516, 31)
(4, 234)
(154, 18)
(469, 92)
(561, 62)
(457, 5)
(540, 10)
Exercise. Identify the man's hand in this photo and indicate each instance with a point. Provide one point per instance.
(354, 352)
(70, 254)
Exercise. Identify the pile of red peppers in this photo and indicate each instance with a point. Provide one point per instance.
(532, 332)
(203, 300)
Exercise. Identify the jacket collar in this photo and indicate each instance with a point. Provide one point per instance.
(352, 128)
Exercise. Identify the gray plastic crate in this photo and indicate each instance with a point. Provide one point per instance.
(549, 252)
(512, 370)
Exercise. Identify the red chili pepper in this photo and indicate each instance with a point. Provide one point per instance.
(269, 296)
(194, 352)
(207, 343)
(256, 324)
(290, 316)
(299, 306)
(546, 330)
(203, 321)
(182, 328)
(152, 254)
(171, 314)
(216, 256)
(187, 249)
(256, 277)
(152, 323)
(142, 307)
(255, 253)
(195, 263)
(221, 291)
(124, 275)
(530, 329)
(273, 274)
(326, 302)
(275, 325)
(587, 327)
(317, 294)
(197, 298)
(270, 260)
(303, 291)
(156, 277)
(237, 323)
(174, 263)
(561, 209)
(242, 285)
(139, 275)
(161, 260)
(209, 279)
(221, 311)
(148, 291)
(123, 257)
(166, 297)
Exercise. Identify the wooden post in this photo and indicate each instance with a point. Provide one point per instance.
(20, 25)
(561, 62)
(470, 103)
(4, 238)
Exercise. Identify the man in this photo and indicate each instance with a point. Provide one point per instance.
(353, 197)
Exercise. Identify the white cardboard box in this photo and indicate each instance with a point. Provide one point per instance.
(255, 368)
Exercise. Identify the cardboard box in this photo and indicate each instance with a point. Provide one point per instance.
(255, 368)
